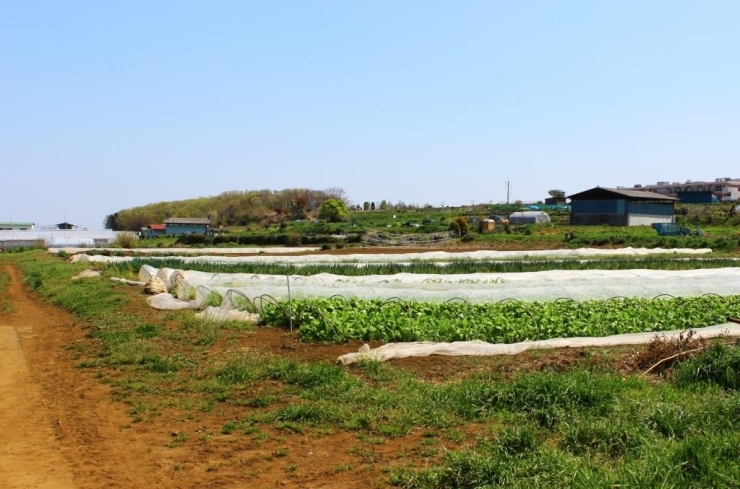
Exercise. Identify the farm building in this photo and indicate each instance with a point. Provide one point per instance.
(154, 230)
(529, 217)
(16, 226)
(187, 225)
(620, 207)
(66, 225)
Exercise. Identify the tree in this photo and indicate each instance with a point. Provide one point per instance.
(333, 210)
(111, 222)
(337, 193)
(557, 194)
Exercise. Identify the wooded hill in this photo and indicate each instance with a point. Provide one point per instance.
(232, 208)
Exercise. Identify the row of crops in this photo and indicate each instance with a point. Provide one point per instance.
(328, 320)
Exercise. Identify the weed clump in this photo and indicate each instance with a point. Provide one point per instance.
(662, 353)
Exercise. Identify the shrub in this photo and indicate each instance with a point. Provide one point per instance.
(125, 240)
(460, 226)
(333, 210)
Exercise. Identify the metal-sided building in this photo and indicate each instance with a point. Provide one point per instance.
(620, 207)
(17, 226)
(154, 230)
(186, 225)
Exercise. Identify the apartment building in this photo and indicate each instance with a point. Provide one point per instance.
(724, 189)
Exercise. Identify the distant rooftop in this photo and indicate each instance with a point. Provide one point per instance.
(689, 182)
(188, 220)
(604, 192)
(16, 224)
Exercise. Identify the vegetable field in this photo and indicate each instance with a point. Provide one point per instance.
(504, 322)
(455, 300)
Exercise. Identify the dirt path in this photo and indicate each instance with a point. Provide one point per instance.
(58, 425)
(30, 454)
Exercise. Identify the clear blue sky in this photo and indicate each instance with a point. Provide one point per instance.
(111, 105)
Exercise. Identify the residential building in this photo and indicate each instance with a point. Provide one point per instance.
(724, 189)
(154, 230)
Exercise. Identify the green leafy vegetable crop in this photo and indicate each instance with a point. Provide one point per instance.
(511, 321)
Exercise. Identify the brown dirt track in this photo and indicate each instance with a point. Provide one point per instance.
(60, 427)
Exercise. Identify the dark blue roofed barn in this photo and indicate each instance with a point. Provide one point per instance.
(620, 207)
(187, 225)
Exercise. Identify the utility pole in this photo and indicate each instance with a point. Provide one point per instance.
(508, 189)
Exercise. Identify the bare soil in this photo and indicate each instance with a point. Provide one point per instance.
(61, 427)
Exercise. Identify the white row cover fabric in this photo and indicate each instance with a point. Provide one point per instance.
(189, 251)
(167, 302)
(482, 348)
(477, 287)
(217, 314)
(432, 256)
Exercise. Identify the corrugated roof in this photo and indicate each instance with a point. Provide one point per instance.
(6, 224)
(632, 194)
(60, 237)
(188, 220)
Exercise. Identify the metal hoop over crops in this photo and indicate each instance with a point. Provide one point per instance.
(229, 297)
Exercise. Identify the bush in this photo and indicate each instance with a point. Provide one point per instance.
(460, 226)
(125, 241)
(293, 239)
(333, 210)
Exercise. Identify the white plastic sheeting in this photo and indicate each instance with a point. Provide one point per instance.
(481, 348)
(168, 302)
(432, 256)
(190, 251)
(218, 314)
(475, 287)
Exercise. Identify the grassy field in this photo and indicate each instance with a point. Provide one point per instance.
(546, 419)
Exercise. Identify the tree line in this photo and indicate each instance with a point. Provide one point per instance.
(232, 208)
